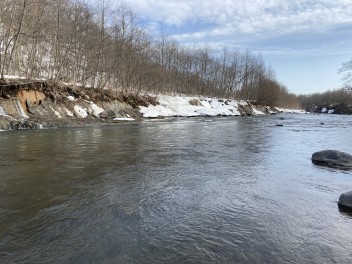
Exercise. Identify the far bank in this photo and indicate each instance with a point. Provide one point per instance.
(35, 104)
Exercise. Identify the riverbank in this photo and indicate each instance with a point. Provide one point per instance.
(35, 104)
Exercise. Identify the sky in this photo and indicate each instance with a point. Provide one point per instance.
(304, 41)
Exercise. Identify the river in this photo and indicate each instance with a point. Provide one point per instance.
(198, 190)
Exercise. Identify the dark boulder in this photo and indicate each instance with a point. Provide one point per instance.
(332, 158)
(345, 201)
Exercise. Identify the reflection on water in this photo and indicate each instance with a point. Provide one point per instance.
(203, 190)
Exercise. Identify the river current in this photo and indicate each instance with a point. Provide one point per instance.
(198, 190)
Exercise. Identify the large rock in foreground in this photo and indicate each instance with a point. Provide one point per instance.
(345, 201)
(332, 158)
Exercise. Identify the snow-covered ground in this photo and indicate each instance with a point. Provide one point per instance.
(13, 77)
(187, 106)
(193, 106)
(123, 119)
(293, 111)
(22, 77)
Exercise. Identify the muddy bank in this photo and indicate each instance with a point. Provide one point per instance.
(28, 104)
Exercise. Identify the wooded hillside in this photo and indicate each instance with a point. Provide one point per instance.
(104, 45)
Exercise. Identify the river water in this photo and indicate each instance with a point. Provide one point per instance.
(202, 190)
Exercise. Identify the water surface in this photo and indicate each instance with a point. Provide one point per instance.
(202, 190)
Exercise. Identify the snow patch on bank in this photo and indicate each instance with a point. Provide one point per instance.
(55, 112)
(2, 111)
(193, 106)
(20, 110)
(123, 119)
(80, 112)
(95, 110)
(14, 77)
(292, 111)
(69, 113)
(257, 112)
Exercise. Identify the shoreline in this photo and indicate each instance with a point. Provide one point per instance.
(44, 104)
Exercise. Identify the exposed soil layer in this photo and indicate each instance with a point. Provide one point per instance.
(26, 104)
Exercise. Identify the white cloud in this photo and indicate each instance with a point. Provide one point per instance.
(255, 17)
(297, 37)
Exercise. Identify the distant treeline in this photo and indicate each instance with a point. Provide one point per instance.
(341, 97)
(102, 45)
(337, 99)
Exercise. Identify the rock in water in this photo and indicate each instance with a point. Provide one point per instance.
(332, 158)
(345, 201)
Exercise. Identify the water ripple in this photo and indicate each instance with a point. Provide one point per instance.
(230, 190)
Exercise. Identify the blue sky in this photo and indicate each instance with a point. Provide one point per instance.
(305, 41)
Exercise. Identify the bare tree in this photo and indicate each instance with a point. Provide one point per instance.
(346, 70)
(12, 21)
(101, 45)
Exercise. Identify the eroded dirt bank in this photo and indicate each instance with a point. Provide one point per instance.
(37, 104)
(28, 104)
